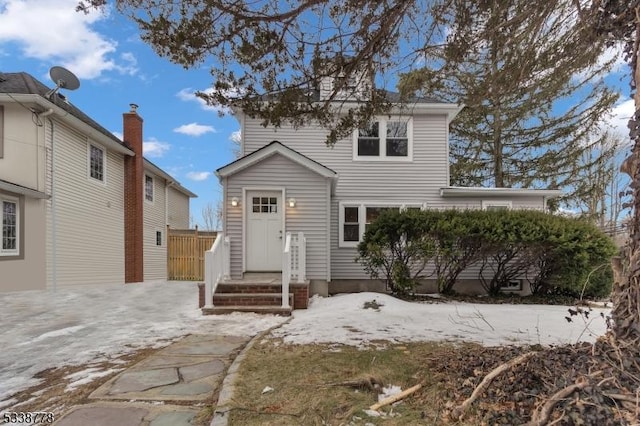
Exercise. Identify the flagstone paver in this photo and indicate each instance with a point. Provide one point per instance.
(190, 370)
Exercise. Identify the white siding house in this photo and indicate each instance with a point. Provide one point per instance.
(401, 160)
(63, 198)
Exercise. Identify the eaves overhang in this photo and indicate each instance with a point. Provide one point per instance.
(69, 119)
(458, 191)
(22, 190)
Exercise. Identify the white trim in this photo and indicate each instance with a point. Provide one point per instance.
(16, 201)
(22, 190)
(458, 191)
(104, 163)
(69, 119)
(496, 203)
(246, 189)
(162, 238)
(362, 216)
(153, 188)
(328, 212)
(269, 150)
(382, 133)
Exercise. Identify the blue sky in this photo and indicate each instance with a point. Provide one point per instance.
(182, 135)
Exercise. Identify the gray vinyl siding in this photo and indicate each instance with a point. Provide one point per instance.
(155, 257)
(309, 216)
(178, 209)
(418, 181)
(89, 234)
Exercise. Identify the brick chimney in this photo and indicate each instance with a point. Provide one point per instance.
(133, 201)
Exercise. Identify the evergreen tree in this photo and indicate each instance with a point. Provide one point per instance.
(533, 94)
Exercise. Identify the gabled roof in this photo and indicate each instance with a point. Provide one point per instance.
(274, 148)
(25, 84)
(23, 87)
(171, 181)
(459, 191)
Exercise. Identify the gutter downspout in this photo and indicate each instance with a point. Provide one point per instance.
(167, 185)
(54, 277)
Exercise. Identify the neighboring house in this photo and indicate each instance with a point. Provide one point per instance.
(79, 206)
(288, 180)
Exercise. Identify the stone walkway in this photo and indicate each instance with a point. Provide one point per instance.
(167, 389)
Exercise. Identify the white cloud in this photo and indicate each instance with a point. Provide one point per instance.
(622, 112)
(198, 176)
(53, 31)
(150, 148)
(194, 129)
(189, 95)
(154, 148)
(236, 137)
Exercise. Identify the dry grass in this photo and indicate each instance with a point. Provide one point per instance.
(315, 384)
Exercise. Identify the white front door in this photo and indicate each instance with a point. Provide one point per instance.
(264, 231)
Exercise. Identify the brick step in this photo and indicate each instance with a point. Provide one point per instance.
(273, 310)
(249, 288)
(249, 299)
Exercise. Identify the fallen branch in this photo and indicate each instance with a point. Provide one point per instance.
(396, 397)
(541, 417)
(461, 409)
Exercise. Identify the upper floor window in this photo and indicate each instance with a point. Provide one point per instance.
(96, 163)
(148, 188)
(385, 139)
(10, 227)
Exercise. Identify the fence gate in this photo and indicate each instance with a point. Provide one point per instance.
(185, 253)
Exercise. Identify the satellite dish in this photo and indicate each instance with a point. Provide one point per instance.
(64, 79)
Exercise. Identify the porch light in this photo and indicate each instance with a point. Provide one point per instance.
(292, 202)
(235, 201)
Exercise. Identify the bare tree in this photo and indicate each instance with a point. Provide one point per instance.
(212, 216)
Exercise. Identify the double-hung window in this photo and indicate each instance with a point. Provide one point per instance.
(355, 218)
(385, 139)
(148, 188)
(10, 226)
(96, 163)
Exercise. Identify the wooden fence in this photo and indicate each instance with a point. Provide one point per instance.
(185, 253)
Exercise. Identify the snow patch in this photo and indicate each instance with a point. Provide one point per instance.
(341, 320)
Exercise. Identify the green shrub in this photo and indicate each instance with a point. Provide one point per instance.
(396, 249)
(553, 254)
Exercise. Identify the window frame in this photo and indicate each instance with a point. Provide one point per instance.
(153, 188)
(382, 149)
(486, 204)
(102, 181)
(362, 216)
(7, 253)
(511, 287)
(159, 238)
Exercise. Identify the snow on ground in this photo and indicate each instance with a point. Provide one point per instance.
(343, 320)
(90, 324)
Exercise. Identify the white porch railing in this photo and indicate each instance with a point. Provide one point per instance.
(217, 264)
(294, 263)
